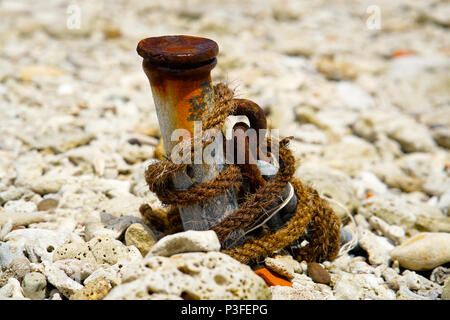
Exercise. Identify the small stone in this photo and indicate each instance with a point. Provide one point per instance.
(60, 280)
(79, 251)
(77, 270)
(318, 274)
(440, 275)
(17, 269)
(377, 247)
(7, 254)
(14, 194)
(423, 251)
(187, 241)
(39, 244)
(93, 290)
(34, 285)
(23, 219)
(284, 265)
(20, 266)
(107, 225)
(348, 286)
(11, 290)
(445, 295)
(111, 251)
(141, 237)
(134, 141)
(47, 204)
(394, 233)
(303, 288)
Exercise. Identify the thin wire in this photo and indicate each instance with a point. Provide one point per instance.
(353, 229)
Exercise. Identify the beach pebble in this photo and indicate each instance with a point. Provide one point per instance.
(34, 286)
(284, 265)
(98, 250)
(105, 224)
(94, 290)
(318, 274)
(18, 268)
(47, 204)
(377, 247)
(60, 280)
(39, 244)
(141, 237)
(111, 251)
(393, 210)
(77, 270)
(424, 251)
(187, 241)
(11, 290)
(394, 233)
(446, 291)
(349, 286)
(77, 250)
(8, 253)
(14, 194)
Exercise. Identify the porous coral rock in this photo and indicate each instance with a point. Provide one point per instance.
(284, 265)
(210, 275)
(187, 241)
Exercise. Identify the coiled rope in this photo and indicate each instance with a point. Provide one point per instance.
(313, 219)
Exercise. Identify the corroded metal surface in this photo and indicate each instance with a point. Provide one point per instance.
(178, 68)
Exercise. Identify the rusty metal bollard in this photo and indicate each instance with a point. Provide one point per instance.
(178, 68)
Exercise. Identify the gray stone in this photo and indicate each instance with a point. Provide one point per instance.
(108, 225)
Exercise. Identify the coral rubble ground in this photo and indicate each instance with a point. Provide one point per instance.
(363, 86)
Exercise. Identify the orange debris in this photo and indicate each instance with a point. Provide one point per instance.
(402, 53)
(272, 278)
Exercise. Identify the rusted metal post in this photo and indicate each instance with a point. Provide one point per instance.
(178, 68)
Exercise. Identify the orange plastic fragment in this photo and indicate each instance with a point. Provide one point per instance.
(272, 278)
(402, 53)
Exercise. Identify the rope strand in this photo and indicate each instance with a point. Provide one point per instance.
(312, 215)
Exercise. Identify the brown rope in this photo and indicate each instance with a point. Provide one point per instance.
(312, 216)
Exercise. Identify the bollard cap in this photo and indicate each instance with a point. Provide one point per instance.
(178, 52)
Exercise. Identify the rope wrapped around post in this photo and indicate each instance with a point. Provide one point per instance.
(313, 215)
